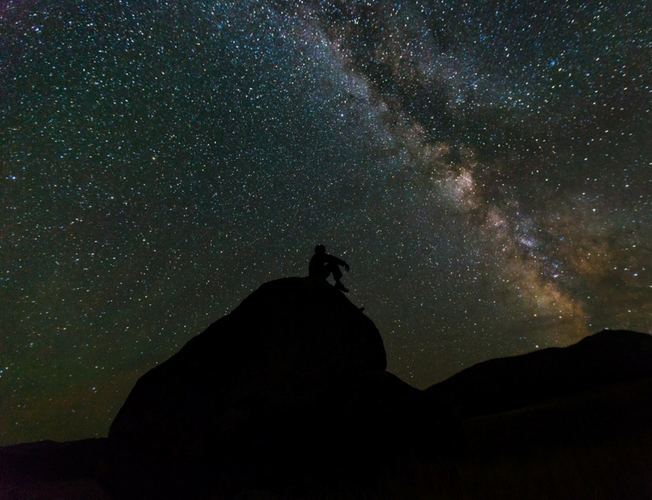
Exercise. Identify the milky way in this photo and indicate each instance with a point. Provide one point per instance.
(484, 167)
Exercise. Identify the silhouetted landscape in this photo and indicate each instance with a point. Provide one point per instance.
(288, 397)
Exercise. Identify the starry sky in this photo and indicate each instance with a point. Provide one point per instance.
(484, 167)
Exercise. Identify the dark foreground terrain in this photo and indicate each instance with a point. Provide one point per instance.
(597, 445)
(288, 397)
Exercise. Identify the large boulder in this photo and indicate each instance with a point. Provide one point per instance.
(290, 384)
(289, 333)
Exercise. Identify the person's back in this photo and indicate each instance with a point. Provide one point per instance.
(317, 267)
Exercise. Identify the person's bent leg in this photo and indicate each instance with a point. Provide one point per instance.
(337, 274)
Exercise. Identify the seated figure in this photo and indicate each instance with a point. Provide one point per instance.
(322, 265)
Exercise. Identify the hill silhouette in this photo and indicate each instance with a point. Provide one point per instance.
(503, 384)
(288, 397)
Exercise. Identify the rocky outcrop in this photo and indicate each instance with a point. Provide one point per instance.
(287, 397)
(498, 385)
(290, 385)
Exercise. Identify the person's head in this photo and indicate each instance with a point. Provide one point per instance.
(320, 249)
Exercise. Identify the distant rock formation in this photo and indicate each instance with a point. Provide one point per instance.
(291, 385)
(503, 384)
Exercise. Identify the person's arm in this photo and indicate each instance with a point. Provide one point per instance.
(339, 262)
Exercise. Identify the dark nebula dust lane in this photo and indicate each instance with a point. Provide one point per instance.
(485, 168)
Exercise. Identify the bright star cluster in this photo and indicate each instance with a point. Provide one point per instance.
(484, 167)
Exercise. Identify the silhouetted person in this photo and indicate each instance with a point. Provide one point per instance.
(323, 265)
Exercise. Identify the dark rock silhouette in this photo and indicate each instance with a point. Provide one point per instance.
(289, 387)
(503, 384)
(287, 398)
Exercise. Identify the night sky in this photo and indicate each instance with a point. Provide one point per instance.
(485, 167)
